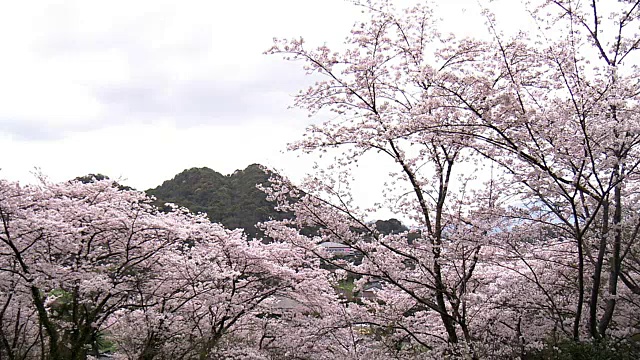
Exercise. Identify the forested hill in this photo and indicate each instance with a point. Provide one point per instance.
(232, 200)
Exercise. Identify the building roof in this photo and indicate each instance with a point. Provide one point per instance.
(330, 244)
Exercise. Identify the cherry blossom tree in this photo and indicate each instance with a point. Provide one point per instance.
(89, 266)
(219, 299)
(373, 87)
(560, 116)
(553, 113)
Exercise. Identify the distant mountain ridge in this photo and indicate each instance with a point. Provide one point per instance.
(232, 200)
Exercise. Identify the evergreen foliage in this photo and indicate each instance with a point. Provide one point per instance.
(232, 200)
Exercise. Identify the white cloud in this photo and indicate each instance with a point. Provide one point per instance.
(146, 154)
(144, 89)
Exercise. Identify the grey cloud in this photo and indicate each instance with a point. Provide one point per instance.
(187, 103)
(28, 129)
(155, 92)
(194, 102)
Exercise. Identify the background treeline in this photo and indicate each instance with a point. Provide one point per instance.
(232, 200)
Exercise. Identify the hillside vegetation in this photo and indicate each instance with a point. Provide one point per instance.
(232, 200)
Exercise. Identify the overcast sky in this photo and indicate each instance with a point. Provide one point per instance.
(141, 90)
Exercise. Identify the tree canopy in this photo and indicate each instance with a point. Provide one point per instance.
(538, 259)
(232, 200)
(540, 253)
